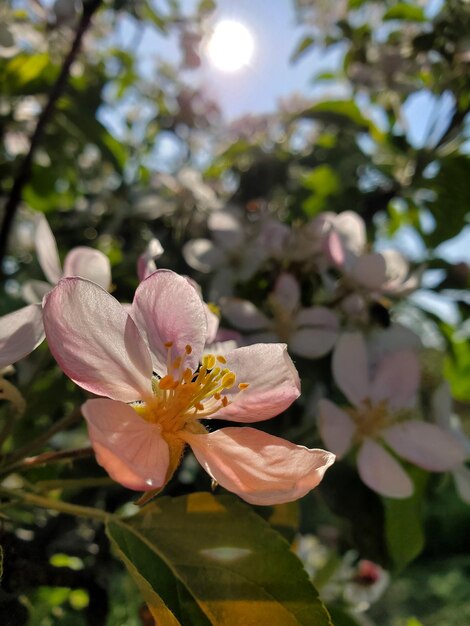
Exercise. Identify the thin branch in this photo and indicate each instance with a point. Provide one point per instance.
(24, 173)
(46, 458)
(55, 505)
(41, 440)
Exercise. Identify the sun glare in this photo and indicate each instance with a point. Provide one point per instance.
(230, 46)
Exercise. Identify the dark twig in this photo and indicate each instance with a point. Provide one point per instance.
(24, 173)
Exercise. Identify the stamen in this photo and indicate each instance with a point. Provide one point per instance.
(243, 386)
(188, 349)
(225, 401)
(177, 363)
(228, 380)
(221, 359)
(208, 361)
(168, 344)
(166, 382)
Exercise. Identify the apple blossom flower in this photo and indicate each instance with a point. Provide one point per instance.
(20, 333)
(80, 261)
(379, 419)
(385, 272)
(231, 255)
(158, 385)
(441, 406)
(309, 332)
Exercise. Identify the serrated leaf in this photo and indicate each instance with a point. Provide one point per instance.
(235, 567)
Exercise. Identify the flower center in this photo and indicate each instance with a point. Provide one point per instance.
(182, 396)
(371, 419)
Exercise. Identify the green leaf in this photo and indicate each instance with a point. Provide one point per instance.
(232, 566)
(323, 182)
(404, 11)
(403, 522)
(451, 207)
(457, 368)
(342, 113)
(305, 44)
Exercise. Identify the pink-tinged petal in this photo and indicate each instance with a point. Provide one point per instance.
(462, 482)
(146, 262)
(381, 472)
(334, 249)
(130, 449)
(96, 342)
(319, 316)
(167, 308)
(352, 230)
(396, 380)
(350, 369)
(286, 294)
(260, 468)
(243, 314)
(312, 343)
(425, 445)
(202, 255)
(273, 383)
(46, 248)
(336, 427)
(369, 270)
(20, 332)
(90, 264)
(33, 291)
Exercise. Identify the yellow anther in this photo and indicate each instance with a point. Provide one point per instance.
(168, 344)
(228, 380)
(188, 349)
(243, 386)
(224, 401)
(166, 382)
(177, 363)
(221, 359)
(214, 308)
(208, 361)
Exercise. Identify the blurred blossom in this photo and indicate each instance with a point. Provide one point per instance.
(80, 261)
(16, 143)
(369, 275)
(232, 255)
(381, 416)
(146, 262)
(441, 405)
(352, 583)
(309, 332)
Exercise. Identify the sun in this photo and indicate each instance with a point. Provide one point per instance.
(230, 46)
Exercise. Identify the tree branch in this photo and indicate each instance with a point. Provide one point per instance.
(24, 173)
